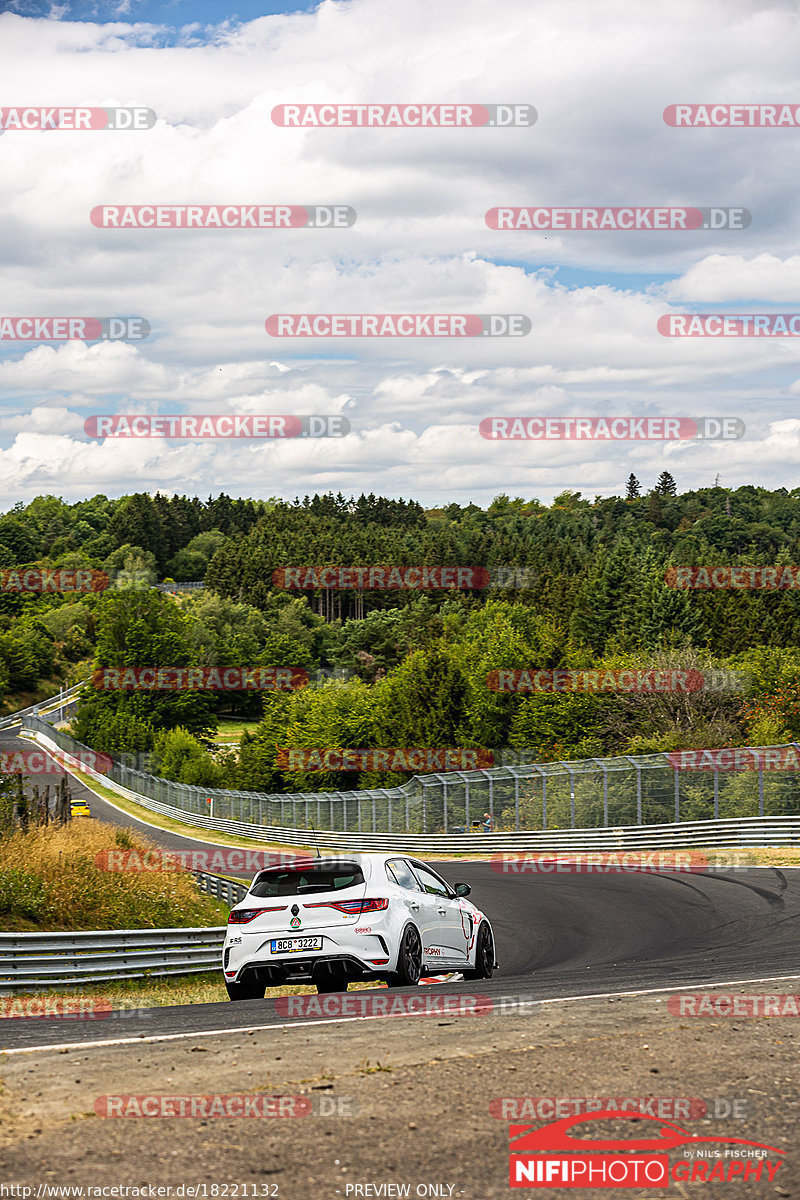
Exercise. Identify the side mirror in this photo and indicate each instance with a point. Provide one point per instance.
(463, 889)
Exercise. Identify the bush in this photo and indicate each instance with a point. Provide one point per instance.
(50, 880)
(22, 893)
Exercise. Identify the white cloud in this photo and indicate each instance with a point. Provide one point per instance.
(730, 278)
(599, 77)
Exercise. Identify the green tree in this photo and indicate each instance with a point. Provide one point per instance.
(666, 485)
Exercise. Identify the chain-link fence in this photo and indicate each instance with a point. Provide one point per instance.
(592, 793)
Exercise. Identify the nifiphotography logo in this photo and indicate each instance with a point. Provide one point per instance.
(550, 1157)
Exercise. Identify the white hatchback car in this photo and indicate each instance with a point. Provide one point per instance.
(364, 916)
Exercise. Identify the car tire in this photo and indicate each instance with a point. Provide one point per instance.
(331, 983)
(484, 955)
(248, 989)
(409, 960)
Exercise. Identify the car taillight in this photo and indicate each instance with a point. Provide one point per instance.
(353, 907)
(242, 915)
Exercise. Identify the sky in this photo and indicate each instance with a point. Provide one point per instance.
(599, 78)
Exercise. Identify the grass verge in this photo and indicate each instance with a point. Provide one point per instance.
(53, 879)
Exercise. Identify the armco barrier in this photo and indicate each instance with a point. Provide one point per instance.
(40, 960)
(65, 702)
(733, 833)
(227, 890)
(627, 790)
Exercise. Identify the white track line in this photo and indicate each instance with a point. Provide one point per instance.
(143, 1039)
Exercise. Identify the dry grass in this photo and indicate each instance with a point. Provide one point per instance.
(207, 988)
(49, 880)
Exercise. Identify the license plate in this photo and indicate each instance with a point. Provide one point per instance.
(295, 944)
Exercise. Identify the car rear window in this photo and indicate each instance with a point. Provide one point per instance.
(307, 880)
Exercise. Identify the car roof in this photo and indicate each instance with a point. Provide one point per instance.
(373, 859)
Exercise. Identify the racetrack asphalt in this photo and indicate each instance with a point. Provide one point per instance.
(412, 1103)
(557, 935)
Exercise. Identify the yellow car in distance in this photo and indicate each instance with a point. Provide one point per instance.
(79, 808)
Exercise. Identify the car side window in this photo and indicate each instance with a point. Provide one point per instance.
(399, 871)
(432, 883)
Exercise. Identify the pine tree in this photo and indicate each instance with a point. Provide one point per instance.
(634, 488)
(666, 485)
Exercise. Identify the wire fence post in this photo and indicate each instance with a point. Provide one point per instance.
(571, 795)
(760, 791)
(677, 795)
(716, 794)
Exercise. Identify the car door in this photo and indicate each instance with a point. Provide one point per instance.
(448, 936)
(423, 908)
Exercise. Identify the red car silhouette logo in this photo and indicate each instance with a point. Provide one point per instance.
(554, 1137)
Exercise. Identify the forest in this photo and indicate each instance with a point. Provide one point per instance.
(576, 584)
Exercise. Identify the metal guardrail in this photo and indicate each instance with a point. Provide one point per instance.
(40, 960)
(628, 790)
(227, 890)
(65, 700)
(733, 833)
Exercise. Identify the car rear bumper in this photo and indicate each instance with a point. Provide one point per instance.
(307, 969)
(365, 956)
